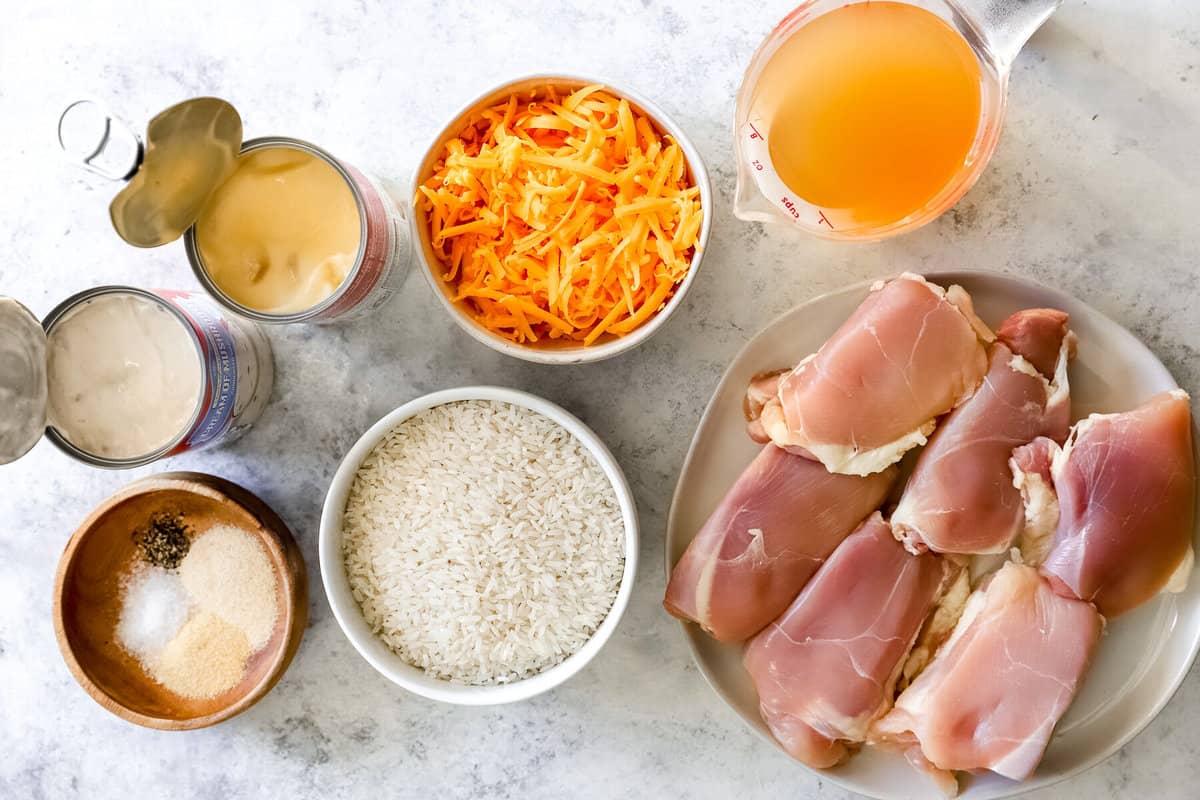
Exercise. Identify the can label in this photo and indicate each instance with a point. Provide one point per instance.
(219, 352)
(371, 287)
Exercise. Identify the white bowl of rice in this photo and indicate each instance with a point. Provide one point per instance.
(478, 545)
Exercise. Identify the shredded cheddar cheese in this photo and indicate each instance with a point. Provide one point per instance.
(561, 217)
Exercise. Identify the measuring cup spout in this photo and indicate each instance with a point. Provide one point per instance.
(1006, 25)
(749, 204)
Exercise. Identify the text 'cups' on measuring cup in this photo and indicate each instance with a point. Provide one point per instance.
(864, 120)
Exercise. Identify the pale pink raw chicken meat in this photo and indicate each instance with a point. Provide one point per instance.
(991, 697)
(782, 517)
(762, 389)
(909, 353)
(1037, 335)
(1126, 487)
(961, 497)
(827, 667)
(1031, 465)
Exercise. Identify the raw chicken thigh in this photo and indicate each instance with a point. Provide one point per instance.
(1126, 486)
(782, 517)
(910, 352)
(982, 601)
(961, 497)
(827, 667)
(1031, 465)
(763, 388)
(993, 694)
(1037, 335)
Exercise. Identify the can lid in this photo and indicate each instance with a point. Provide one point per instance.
(191, 148)
(22, 380)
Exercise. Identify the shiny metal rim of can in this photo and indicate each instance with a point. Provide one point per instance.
(308, 314)
(79, 454)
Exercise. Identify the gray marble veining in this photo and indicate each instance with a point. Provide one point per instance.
(1095, 188)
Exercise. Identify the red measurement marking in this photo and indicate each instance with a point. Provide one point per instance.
(790, 206)
(825, 220)
(756, 134)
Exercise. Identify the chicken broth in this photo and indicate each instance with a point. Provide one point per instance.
(871, 109)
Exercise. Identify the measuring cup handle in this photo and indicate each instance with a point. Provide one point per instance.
(1006, 25)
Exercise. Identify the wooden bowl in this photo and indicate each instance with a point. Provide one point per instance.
(87, 596)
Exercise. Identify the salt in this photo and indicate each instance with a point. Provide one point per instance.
(155, 608)
(194, 629)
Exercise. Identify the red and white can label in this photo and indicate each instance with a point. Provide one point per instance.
(369, 290)
(219, 354)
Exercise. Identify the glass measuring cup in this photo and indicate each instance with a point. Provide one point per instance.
(993, 30)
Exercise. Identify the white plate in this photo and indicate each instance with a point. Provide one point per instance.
(1145, 654)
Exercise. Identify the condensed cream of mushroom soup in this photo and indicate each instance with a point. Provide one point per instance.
(123, 376)
(133, 375)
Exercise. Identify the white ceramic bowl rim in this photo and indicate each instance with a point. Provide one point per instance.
(571, 355)
(346, 609)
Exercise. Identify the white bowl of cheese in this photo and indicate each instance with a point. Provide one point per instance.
(563, 349)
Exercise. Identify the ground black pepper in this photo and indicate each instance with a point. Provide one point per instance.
(165, 541)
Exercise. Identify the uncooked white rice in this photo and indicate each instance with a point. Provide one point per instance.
(483, 542)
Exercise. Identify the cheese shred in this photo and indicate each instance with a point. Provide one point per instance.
(561, 216)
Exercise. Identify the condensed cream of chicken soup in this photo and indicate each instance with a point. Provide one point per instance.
(282, 233)
(124, 376)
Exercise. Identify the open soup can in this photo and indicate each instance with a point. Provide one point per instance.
(119, 377)
(333, 237)
(276, 229)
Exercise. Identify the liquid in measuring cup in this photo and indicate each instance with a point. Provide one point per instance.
(863, 117)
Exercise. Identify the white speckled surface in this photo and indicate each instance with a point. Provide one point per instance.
(1095, 188)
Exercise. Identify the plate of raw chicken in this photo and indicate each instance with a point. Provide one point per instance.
(934, 535)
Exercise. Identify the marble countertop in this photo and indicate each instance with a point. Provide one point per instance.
(1095, 188)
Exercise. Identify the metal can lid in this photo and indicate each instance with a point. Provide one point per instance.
(22, 380)
(191, 148)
